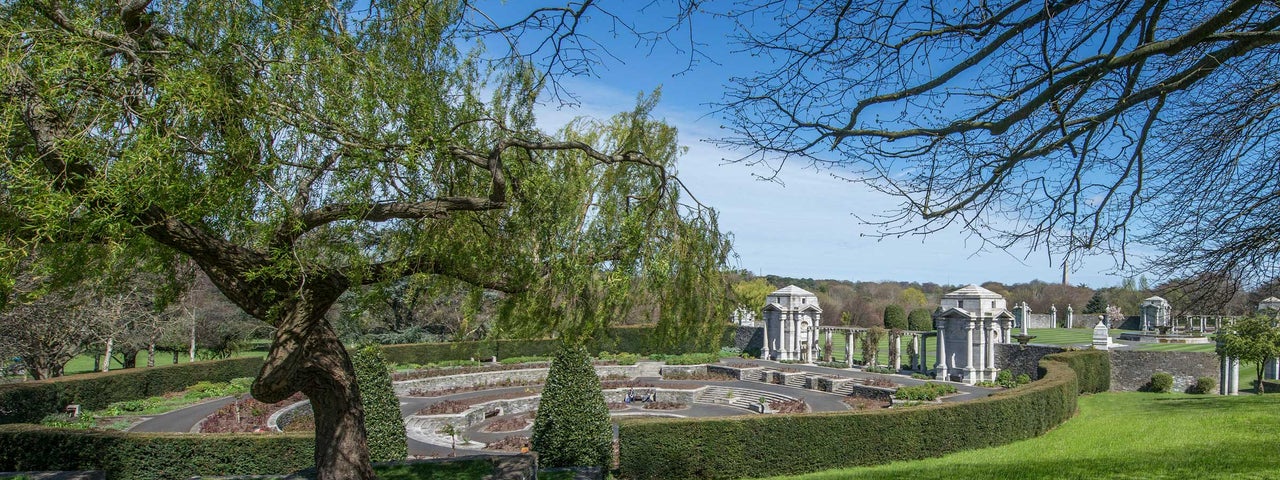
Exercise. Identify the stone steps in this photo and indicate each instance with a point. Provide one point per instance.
(737, 397)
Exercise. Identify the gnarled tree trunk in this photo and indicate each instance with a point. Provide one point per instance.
(307, 356)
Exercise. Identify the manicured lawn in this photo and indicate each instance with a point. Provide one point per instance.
(1121, 435)
(84, 363)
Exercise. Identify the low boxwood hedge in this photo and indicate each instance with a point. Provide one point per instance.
(127, 456)
(1092, 367)
(28, 402)
(739, 447)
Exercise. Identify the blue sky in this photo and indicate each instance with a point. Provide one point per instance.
(802, 225)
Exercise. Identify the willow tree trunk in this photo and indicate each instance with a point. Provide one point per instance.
(307, 356)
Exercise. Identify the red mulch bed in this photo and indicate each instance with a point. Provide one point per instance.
(514, 443)
(245, 415)
(788, 406)
(510, 424)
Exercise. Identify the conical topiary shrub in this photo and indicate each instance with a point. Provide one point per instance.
(572, 428)
(382, 418)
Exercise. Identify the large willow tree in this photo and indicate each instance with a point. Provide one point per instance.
(295, 150)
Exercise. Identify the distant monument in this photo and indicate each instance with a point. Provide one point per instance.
(791, 317)
(1155, 315)
(970, 322)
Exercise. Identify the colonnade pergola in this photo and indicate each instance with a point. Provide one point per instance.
(917, 340)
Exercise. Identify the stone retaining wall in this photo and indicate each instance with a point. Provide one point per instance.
(532, 375)
(1132, 370)
(749, 339)
(874, 393)
(1019, 360)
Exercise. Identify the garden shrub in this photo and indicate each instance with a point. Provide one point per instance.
(1161, 382)
(738, 447)
(691, 359)
(920, 319)
(29, 402)
(895, 318)
(572, 428)
(128, 456)
(382, 420)
(927, 392)
(1204, 385)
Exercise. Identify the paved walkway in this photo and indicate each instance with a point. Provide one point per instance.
(183, 419)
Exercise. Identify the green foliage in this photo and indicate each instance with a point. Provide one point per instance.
(879, 369)
(871, 344)
(751, 293)
(726, 448)
(927, 392)
(382, 420)
(527, 359)
(572, 427)
(1097, 303)
(622, 358)
(690, 359)
(1092, 367)
(162, 403)
(895, 318)
(1204, 385)
(833, 364)
(921, 376)
(920, 319)
(1161, 382)
(32, 401)
(1023, 379)
(130, 456)
(1254, 339)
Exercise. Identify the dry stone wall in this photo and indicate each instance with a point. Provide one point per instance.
(1132, 370)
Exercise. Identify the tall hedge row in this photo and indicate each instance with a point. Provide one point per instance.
(382, 420)
(748, 446)
(640, 339)
(1093, 367)
(128, 456)
(31, 401)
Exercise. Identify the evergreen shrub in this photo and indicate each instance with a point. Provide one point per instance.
(1204, 385)
(920, 319)
(895, 318)
(1161, 382)
(572, 428)
(382, 420)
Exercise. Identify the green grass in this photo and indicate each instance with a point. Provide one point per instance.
(1121, 435)
(460, 470)
(84, 363)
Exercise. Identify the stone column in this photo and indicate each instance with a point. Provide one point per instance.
(833, 347)
(848, 348)
(784, 342)
(968, 352)
(764, 351)
(1071, 315)
(1235, 376)
(1053, 316)
(941, 366)
(996, 333)
(896, 361)
(1224, 384)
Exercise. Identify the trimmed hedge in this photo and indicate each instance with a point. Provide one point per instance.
(747, 446)
(631, 339)
(1093, 367)
(127, 456)
(383, 423)
(28, 402)
(572, 427)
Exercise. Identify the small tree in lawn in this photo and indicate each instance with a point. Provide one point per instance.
(1253, 339)
(572, 427)
(1097, 303)
(920, 319)
(382, 418)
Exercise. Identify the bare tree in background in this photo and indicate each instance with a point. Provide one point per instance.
(1079, 127)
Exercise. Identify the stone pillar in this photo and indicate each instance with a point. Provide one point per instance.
(784, 341)
(1053, 316)
(848, 348)
(1101, 336)
(984, 335)
(764, 349)
(968, 353)
(1235, 376)
(940, 368)
(1071, 316)
(896, 361)
(994, 339)
(1224, 385)
(833, 347)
